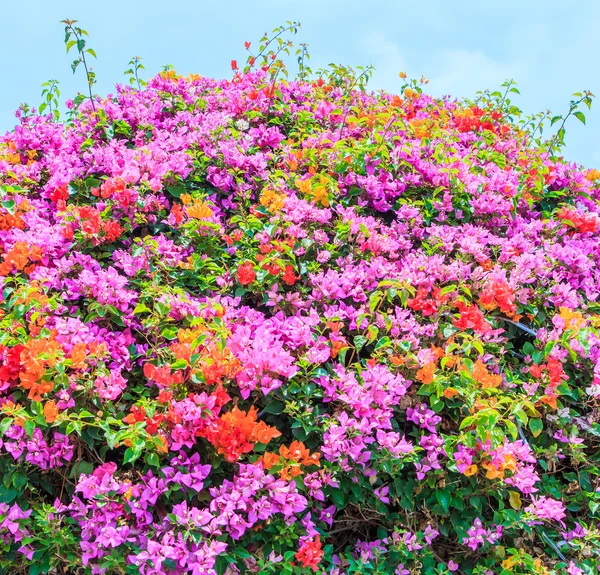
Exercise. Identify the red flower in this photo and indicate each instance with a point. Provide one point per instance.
(289, 277)
(246, 274)
(112, 229)
(471, 317)
(60, 193)
(499, 294)
(164, 396)
(310, 554)
(247, 45)
(422, 303)
(234, 65)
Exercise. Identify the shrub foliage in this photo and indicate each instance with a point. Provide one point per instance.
(264, 325)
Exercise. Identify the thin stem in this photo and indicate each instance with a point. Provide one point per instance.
(508, 87)
(87, 72)
(283, 31)
(560, 130)
(346, 108)
(518, 324)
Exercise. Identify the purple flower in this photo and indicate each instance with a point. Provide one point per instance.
(546, 508)
(382, 494)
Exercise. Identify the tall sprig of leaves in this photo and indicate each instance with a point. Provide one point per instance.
(348, 79)
(50, 96)
(133, 72)
(303, 70)
(267, 57)
(558, 141)
(74, 37)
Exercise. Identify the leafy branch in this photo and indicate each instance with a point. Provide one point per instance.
(74, 37)
(266, 54)
(133, 72)
(50, 95)
(558, 141)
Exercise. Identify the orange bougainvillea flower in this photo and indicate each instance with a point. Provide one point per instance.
(495, 470)
(262, 433)
(483, 376)
(492, 472)
(19, 257)
(295, 451)
(549, 400)
(450, 392)
(303, 185)
(425, 374)
(471, 470)
(337, 345)
(199, 210)
(592, 175)
(216, 363)
(298, 452)
(50, 411)
(292, 459)
(137, 414)
(236, 432)
(574, 320)
(270, 460)
(164, 396)
(37, 355)
(271, 200)
(78, 355)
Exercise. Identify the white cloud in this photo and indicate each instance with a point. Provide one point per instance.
(456, 72)
(464, 72)
(387, 58)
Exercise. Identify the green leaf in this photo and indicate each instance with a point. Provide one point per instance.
(152, 459)
(443, 497)
(536, 426)
(5, 424)
(511, 428)
(176, 191)
(275, 407)
(514, 498)
(374, 300)
(7, 494)
(19, 479)
(359, 342)
(179, 364)
(140, 308)
(338, 498)
(81, 468)
(169, 333)
(130, 455)
(29, 426)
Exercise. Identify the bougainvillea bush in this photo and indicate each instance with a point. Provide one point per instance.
(279, 326)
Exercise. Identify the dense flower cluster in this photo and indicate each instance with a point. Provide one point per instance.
(260, 326)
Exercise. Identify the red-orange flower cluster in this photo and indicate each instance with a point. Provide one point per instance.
(310, 554)
(291, 458)
(236, 432)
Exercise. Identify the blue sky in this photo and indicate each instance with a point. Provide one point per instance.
(549, 47)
